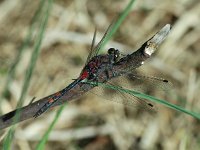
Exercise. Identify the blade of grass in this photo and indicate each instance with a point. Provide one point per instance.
(45, 137)
(34, 58)
(26, 42)
(150, 98)
(35, 54)
(118, 22)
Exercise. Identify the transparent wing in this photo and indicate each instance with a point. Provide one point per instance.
(137, 82)
(92, 50)
(95, 50)
(123, 98)
(147, 83)
(130, 100)
(94, 38)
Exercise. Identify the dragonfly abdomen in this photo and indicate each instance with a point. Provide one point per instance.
(52, 100)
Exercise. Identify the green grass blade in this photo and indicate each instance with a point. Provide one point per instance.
(44, 139)
(150, 98)
(26, 42)
(8, 139)
(118, 22)
(35, 54)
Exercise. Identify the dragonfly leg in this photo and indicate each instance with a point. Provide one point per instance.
(110, 68)
(95, 80)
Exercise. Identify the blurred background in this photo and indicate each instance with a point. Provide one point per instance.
(92, 122)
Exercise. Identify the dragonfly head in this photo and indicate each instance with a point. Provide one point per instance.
(114, 53)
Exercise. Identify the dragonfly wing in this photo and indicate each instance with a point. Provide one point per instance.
(105, 36)
(133, 101)
(95, 50)
(137, 82)
(143, 82)
(123, 98)
(92, 50)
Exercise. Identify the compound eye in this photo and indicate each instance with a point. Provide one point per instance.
(111, 51)
(117, 53)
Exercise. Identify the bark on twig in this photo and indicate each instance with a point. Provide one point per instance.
(129, 62)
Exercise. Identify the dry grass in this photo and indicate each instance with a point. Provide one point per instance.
(90, 122)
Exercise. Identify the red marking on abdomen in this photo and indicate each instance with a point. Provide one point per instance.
(50, 100)
(58, 94)
(84, 75)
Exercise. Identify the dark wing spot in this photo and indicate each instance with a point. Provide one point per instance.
(165, 81)
(151, 105)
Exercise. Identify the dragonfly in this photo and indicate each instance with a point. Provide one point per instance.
(93, 67)
(140, 82)
(89, 72)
